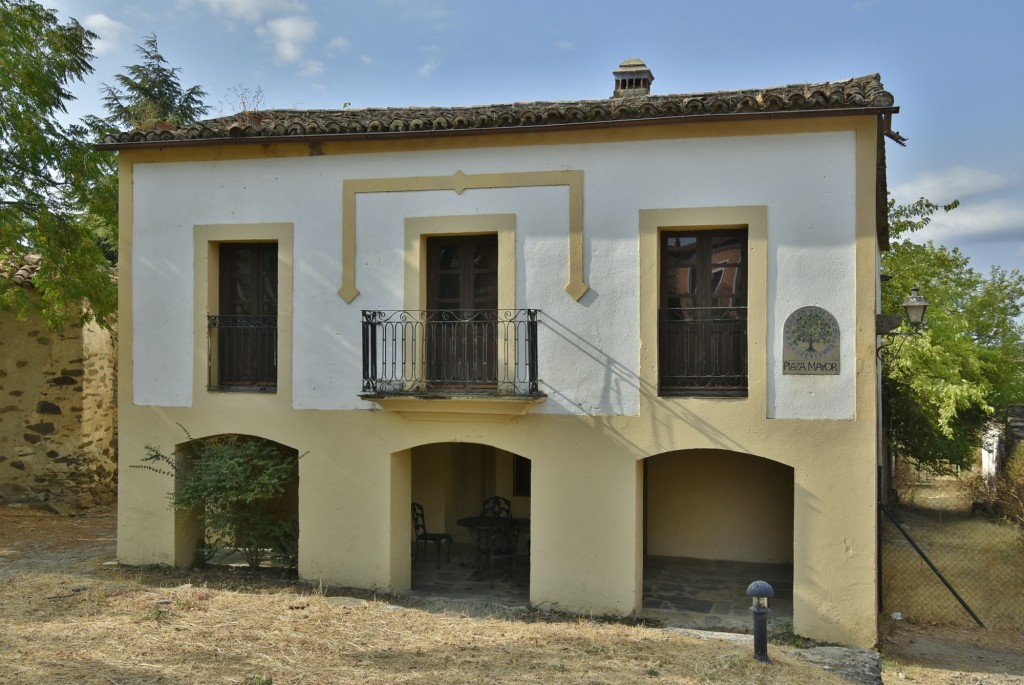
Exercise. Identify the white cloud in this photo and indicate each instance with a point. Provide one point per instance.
(955, 183)
(289, 35)
(999, 219)
(563, 45)
(366, 59)
(427, 69)
(251, 10)
(312, 67)
(109, 31)
(338, 44)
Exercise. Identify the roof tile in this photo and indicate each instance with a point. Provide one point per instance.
(865, 92)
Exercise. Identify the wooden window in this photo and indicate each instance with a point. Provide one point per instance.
(702, 316)
(244, 332)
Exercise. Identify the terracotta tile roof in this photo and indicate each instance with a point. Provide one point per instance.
(23, 274)
(863, 93)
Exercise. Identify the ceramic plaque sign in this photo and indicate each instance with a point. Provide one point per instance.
(810, 343)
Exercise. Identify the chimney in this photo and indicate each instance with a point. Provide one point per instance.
(632, 79)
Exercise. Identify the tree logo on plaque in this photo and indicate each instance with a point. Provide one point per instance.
(811, 343)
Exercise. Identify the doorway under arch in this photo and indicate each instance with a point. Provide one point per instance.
(714, 521)
(451, 481)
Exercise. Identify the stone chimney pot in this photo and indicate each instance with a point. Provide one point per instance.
(632, 79)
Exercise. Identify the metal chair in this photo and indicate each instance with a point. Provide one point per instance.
(497, 542)
(497, 506)
(420, 528)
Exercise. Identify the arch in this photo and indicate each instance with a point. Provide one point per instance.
(274, 518)
(450, 480)
(718, 513)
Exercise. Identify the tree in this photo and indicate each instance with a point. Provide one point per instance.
(151, 93)
(147, 95)
(966, 366)
(47, 168)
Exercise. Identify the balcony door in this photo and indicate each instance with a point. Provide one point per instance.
(461, 324)
(247, 322)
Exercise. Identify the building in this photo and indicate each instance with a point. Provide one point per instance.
(58, 438)
(658, 308)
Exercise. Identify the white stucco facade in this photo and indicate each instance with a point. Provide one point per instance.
(806, 181)
(618, 467)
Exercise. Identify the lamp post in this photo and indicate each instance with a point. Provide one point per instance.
(760, 592)
(915, 306)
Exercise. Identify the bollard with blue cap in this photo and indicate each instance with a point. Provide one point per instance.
(761, 592)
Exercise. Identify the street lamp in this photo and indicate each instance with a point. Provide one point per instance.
(760, 592)
(886, 324)
(915, 306)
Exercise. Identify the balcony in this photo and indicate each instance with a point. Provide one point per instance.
(447, 354)
(242, 353)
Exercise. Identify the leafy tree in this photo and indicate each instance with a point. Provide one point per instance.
(47, 168)
(967, 365)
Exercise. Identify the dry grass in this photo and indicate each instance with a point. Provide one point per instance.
(982, 558)
(79, 629)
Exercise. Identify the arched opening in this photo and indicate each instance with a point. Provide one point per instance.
(713, 522)
(237, 501)
(453, 482)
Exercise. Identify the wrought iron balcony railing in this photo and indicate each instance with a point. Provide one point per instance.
(449, 352)
(702, 351)
(242, 352)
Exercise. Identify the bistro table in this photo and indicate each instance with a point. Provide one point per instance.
(478, 522)
(480, 529)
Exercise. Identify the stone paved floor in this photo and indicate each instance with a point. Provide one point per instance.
(711, 595)
(683, 593)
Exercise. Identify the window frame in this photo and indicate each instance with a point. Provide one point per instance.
(245, 331)
(707, 323)
(652, 222)
(206, 274)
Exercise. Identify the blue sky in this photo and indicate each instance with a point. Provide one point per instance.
(956, 69)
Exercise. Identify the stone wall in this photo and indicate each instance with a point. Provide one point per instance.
(1014, 434)
(58, 412)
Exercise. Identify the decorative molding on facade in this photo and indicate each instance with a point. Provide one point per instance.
(459, 183)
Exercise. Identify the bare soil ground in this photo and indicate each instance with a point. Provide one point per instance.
(69, 618)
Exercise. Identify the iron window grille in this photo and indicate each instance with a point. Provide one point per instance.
(242, 352)
(703, 350)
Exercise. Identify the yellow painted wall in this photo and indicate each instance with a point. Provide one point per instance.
(711, 504)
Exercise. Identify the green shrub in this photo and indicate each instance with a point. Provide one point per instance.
(235, 484)
(1000, 496)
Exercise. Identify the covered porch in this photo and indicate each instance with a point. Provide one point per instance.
(678, 592)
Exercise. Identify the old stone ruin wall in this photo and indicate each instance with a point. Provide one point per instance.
(58, 439)
(1013, 434)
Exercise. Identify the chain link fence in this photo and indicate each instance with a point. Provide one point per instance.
(979, 553)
